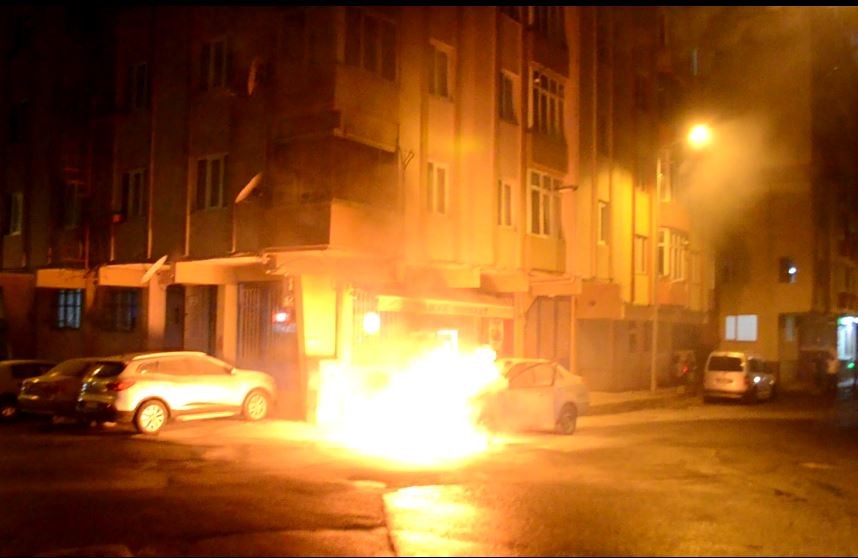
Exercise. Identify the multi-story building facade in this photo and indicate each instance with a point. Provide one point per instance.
(778, 186)
(261, 183)
(644, 268)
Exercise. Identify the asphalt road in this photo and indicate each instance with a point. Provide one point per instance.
(771, 479)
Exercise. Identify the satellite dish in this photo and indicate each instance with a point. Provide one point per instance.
(247, 190)
(153, 269)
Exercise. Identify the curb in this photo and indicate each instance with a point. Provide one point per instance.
(638, 405)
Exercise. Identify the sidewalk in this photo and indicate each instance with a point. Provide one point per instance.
(607, 402)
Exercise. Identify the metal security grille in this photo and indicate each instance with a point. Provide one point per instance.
(257, 303)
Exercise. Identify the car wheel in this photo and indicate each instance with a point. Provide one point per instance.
(150, 417)
(751, 396)
(8, 409)
(568, 420)
(256, 405)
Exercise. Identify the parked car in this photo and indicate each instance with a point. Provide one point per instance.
(55, 392)
(148, 389)
(541, 395)
(737, 375)
(12, 374)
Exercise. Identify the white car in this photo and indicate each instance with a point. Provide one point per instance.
(737, 375)
(148, 389)
(541, 395)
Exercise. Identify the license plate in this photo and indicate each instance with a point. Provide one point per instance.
(723, 381)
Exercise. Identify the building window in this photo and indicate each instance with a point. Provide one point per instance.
(120, 309)
(604, 222)
(740, 328)
(641, 256)
(548, 22)
(19, 121)
(440, 69)
(672, 253)
(436, 188)
(544, 204)
(69, 307)
(137, 86)
(14, 213)
(370, 43)
(667, 177)
(211, 179)
(506, 98)
(546, 104)
(787, 270)
(133, 185)
(504, 204)
(640, 174)
(71, 206)
(214, 64)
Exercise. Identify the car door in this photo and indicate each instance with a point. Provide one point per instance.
(532, 396)
(760, 377)
(180, 384)
(217, 386)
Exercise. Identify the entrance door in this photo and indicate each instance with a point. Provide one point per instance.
(174, 328)
(201, 318)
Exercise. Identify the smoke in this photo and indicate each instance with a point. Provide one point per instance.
(722, 183)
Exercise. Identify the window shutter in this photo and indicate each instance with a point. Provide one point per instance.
(202, 167)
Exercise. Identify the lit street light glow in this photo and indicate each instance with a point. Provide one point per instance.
(700, 136)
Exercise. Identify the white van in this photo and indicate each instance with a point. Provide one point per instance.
(737, 375)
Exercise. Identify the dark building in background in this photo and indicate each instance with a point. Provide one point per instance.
(777, 192)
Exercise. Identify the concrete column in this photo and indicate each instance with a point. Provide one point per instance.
(227, 326)
(156, 314)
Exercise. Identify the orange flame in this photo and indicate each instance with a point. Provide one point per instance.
(424, 413)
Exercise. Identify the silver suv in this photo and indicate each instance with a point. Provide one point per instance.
(148, 389)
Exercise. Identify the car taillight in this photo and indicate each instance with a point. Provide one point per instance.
(119, 385)
(747, 378)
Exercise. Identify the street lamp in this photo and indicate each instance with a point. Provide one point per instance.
(698, 138)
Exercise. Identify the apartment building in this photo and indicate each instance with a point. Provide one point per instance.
(644, 268)
(298, 188)
(780, 83)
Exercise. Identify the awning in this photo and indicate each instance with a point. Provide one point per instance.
(61, 278)
(458, 304)
(221, 271)
(122, 275)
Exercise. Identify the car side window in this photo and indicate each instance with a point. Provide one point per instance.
(176, 367)
(149, 367)
(521, 378)
(210, 367)
(543, 375)
(21, 371)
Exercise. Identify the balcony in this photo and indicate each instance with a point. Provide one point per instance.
(346, 102)
(340, 224)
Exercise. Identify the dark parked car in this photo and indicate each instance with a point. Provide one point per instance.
(12, 374)
(55, 392)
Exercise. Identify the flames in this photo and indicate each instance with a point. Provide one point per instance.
(425, 411)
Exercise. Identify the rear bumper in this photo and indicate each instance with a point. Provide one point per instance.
(724, 394)
(39, 406)
(97, 410)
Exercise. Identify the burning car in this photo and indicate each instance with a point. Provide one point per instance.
(540, 395)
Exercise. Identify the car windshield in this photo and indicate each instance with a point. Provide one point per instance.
(725, 364)
(74, 368)
(107, 369)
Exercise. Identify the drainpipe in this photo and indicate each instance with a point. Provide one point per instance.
(151, 209)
